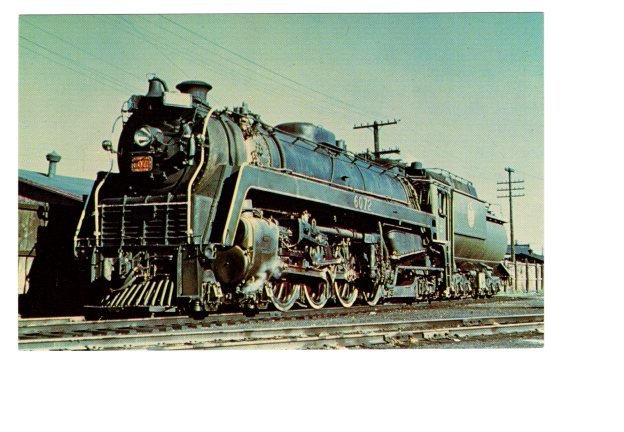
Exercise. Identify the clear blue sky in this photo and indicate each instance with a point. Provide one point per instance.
(467, 87)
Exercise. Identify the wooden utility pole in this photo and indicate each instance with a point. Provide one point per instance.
(375, 127)
(511, 195)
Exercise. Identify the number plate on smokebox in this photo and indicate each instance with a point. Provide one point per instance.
(141, 164)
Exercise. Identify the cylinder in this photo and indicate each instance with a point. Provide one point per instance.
(254, 252)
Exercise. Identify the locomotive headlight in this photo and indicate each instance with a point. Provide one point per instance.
(143, 136)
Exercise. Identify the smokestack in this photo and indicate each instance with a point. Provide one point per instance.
(53, 158)
(198, 89)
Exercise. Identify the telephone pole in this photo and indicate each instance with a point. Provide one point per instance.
(511, 195)
(375, 126)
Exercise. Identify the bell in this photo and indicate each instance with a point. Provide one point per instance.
(156, 88)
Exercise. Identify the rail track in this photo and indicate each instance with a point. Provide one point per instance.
(297, 329)
(77, 325)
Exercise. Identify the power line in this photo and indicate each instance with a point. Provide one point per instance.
(193, 59)
(137, 32)
(82, 50)
(131, 27)
(152, 41)
(531, 175)
(100, 73)
(137, 29)
(256, 75)
(132, 30)
(72, 69)
(312, 89)
(105, 76)
(140, 34)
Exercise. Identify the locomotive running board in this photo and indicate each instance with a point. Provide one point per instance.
(289, 185)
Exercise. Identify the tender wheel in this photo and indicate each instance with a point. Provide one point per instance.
(489, 291)
(283, 294)
(467, 288)
(316, 293)
(497, 287)
(458, 287)
(474, 289)
(372, 295)
(346, 293)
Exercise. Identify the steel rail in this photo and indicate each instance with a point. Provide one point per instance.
(303, 335)
(28, 328)
(59, 326)
(24, 323)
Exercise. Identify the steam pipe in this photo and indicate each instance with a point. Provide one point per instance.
(195, 174)
(342, 232)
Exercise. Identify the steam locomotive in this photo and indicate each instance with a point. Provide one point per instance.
(214, 207)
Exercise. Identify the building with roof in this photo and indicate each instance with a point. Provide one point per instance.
(524, 253)
(529, 268)
(49, 207)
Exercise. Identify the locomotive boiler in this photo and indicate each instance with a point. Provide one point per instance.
(214, 207)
